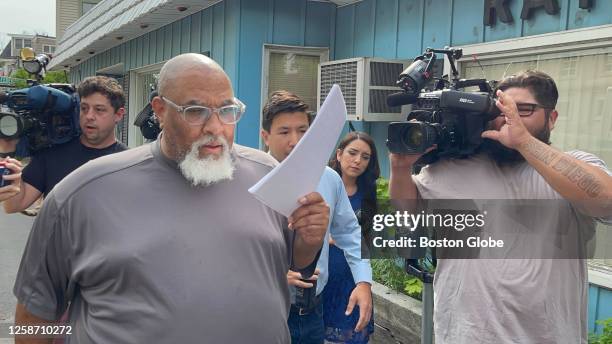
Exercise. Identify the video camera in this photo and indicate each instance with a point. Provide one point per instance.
(45, 115)
(147, 121)
(447, 116)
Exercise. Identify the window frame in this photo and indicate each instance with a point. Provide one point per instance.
(51, 50)
(268, 49)
(135, 93)
(21, 40)
(88, 2)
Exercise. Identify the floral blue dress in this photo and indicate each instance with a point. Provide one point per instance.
(339, 328)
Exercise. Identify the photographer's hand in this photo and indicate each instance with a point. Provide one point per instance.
(587, 186)
(403, 162)
(513, 133)
(8, 145)
(14, 188)
(401, 185)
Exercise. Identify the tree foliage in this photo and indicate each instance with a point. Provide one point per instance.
(606, 336)
(50, 77)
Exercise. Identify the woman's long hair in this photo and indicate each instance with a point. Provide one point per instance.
(366, 182)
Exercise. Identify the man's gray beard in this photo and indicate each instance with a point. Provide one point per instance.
(504, 156)
(205, 171)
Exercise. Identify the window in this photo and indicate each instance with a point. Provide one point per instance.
(22, 43)
(88, 5)
(585, 107)
(568, 67)
(294, 70)
(295, 73)
(48, 49)
(141, 82)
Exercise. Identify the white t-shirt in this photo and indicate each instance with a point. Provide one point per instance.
(508, 300)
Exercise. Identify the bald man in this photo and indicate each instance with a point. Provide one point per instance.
(163, 243)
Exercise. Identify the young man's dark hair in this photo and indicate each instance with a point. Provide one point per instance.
(541, 85)
(109, 87)
(281, 101)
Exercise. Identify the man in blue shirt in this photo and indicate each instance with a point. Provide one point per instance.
(284, 123)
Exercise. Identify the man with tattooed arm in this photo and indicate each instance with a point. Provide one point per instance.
(521, 300)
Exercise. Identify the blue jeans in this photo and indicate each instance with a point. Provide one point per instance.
(309, 328)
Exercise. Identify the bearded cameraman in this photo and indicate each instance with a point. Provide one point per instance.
(527, 300)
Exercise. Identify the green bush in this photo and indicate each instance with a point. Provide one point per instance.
(382, 193)
(50, 77)
(606, 336)
(387, 271)
(389, 274)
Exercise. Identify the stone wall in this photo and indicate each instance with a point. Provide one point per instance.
(397, 317)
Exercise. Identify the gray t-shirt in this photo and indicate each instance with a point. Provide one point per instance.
(144, 257)
(507, 300)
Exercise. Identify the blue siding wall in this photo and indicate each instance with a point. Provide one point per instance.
(287, 22)
(600, 306)
(234, 32)
(213, 30)
(402, 29)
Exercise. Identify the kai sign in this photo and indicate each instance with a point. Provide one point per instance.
(499, 8)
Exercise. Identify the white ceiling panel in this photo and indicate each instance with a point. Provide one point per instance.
(99, 28)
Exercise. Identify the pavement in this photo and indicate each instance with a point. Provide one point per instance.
(14, 230)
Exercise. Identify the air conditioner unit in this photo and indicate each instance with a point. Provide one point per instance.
(365, 83)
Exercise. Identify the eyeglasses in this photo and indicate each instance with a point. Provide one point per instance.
(527, 109)
(198, 115)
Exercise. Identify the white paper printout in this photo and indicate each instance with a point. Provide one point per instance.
(299, 174)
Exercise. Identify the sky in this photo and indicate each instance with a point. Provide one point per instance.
(26, 16)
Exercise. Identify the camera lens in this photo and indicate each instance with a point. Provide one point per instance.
(411, 137)
(9, 125)
(414, 137)
(418, 136)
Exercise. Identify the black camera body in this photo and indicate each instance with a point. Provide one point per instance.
(448, 117)
(43, 115)
(147, 121)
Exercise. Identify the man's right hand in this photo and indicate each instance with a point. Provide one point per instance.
(294, 279)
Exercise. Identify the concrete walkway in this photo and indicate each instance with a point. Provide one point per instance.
(14, 230)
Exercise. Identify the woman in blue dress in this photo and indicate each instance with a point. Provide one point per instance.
(357, 163)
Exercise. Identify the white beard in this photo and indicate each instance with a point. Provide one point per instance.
(208, 170)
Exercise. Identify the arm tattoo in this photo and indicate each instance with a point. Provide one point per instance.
(540, 152)
(572, 171)
(577, 175)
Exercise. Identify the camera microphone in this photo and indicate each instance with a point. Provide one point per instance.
(401, 98)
